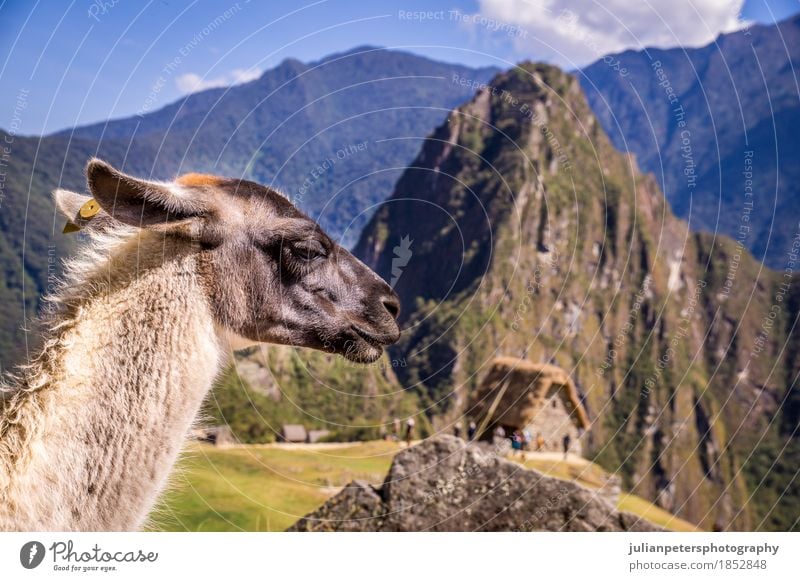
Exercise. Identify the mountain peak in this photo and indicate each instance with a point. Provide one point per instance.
(523, 129)
(364, 48)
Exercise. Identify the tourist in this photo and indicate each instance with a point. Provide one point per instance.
(516, 442)
(409, 431)
(457, 429)
(499, 436)
(526, 440)
(567, 441)
(471, 431)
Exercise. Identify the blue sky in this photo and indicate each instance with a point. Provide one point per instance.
(69, 63)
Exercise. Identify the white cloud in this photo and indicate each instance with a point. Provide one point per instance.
(192, 82)
(581, 31)
(244, 75)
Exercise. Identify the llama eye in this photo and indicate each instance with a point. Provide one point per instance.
(308, 250)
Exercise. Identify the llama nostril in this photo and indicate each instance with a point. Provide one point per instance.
(392, 305)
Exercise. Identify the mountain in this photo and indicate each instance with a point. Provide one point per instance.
(521, 230)
(334, 135)
(718, 126)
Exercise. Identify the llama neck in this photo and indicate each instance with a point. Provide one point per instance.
(128, 376)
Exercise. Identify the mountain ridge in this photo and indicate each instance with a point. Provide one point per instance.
(738, 94)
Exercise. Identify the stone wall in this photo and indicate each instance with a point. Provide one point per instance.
(553, 422)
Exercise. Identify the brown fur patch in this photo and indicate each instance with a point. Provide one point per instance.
(198, 179)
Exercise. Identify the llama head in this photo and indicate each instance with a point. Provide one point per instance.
(271, 274)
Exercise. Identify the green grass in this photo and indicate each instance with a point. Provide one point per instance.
(262, 488)
(268, 487)
(647, 510)
(586, 474)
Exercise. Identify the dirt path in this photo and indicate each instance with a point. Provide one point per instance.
(556, 456)
(303, 446)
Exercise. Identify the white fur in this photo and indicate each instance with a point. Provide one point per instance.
(91, 429)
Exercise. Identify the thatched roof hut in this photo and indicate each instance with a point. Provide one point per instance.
(514, 391)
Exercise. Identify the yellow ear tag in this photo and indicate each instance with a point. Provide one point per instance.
(89, 209)
(69, 228)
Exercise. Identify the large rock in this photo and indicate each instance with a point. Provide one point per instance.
(445, 484)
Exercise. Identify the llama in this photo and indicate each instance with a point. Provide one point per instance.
(176, 276)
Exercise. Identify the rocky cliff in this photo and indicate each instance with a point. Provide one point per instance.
(520, 230)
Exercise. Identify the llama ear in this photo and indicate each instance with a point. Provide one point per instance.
(136, 202)
(80, 211)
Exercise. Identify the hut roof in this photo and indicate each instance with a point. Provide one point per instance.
(294, 433)
(525, 386)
